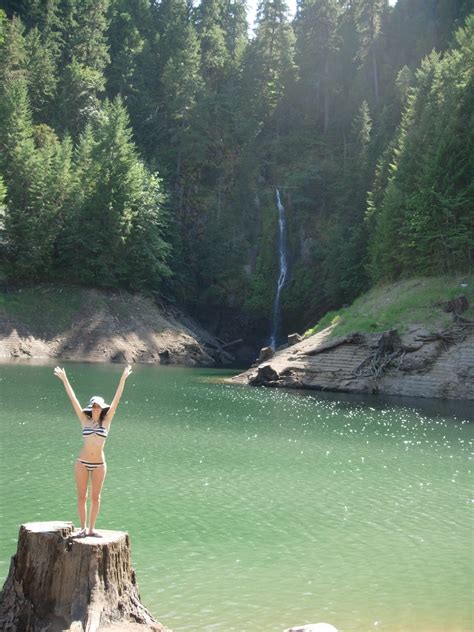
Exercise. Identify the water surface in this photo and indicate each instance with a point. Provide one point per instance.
(251, 510)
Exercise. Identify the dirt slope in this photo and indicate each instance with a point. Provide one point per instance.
(97, 326)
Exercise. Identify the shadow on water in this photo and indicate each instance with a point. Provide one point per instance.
(450, 409)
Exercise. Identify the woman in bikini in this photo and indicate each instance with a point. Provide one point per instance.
(95, 421)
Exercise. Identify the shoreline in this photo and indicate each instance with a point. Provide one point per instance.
(58, 324)
(416, 364)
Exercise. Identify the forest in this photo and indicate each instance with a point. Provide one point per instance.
(142, 144)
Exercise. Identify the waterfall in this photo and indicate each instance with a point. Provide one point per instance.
(283, 268)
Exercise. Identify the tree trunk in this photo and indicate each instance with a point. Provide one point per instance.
(345, 152)
(326, 96)
(58, 583)
(375, 76)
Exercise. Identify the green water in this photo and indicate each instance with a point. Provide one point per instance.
(256, 509)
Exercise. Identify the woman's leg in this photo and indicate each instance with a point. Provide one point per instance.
(97, 481)
(82, 478)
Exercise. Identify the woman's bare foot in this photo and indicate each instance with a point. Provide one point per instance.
(81, 534)
(93, 534)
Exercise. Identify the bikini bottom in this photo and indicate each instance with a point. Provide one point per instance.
(90, 467)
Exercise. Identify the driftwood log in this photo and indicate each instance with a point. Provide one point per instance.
(60, 583)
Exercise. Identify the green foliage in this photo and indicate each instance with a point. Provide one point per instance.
(42, 74)
(45, 309)
(269, 67)
(122, 243)
(416, 301)
(98, 97)
(36, 169)
(422, 201)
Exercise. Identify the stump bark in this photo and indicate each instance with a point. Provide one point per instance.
(59, 583)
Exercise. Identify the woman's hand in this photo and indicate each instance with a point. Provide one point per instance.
(60, 373)
(126, 372)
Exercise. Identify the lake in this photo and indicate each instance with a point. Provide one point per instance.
(252, 510)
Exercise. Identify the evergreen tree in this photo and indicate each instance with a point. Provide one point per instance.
(43, 76)
(85, 57)
(13, 53)
(120, 201)
(422, 200)
(126, 40)
(36, 170)
(317, 45)
(311, 106)
(270, 59)
(234, 22)
(370, 16)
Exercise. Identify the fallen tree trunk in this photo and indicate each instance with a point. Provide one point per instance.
(233, 342)
(61, 583)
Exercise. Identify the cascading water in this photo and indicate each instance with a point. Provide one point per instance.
(283, 268)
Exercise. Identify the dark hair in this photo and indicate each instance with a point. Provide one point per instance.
(103, 413)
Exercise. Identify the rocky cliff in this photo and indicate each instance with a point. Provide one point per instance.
(419, 363)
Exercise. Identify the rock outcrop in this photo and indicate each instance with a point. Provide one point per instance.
(61, 583)
(418, 363)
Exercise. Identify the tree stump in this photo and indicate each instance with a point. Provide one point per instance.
(265, 376)
(389, 342)
(293, 339)
(456, 305)
(59, 583)
(265, 354)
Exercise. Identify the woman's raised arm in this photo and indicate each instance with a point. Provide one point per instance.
(118, 393)
(61, 374)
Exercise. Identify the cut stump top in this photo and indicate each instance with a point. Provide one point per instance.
(67, 529)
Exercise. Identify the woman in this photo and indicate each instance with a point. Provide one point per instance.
(95, 421)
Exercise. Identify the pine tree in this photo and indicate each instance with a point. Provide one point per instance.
(85, 57)
(36, 170)
(43, 78)
(126, 40)
(234, 23)
(370, 16)
(422, 202)
(120, 201)
(13, 53)
(270, 59)
(317, 45)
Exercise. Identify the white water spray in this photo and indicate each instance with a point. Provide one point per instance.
(283, 268)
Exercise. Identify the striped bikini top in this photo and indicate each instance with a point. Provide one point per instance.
(99, 431)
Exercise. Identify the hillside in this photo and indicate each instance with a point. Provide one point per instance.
(397, 339)
(145, 146)
(73, 323)
(399, 305)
